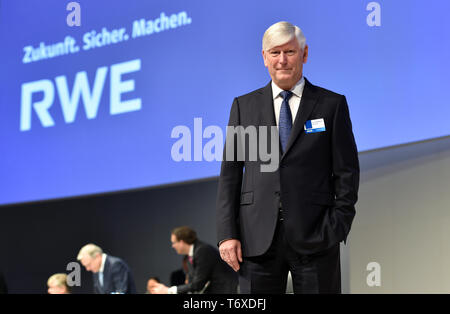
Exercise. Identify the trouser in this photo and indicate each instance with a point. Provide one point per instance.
(315, 273)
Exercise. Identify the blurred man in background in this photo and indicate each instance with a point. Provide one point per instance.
(207, 272)
(57, 284)
(111, 274)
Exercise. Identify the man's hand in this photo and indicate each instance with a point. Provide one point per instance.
(159, 289)
(231, 253)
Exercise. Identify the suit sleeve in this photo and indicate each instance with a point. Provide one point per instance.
(205, 261)
(230, 181)
(345, 171)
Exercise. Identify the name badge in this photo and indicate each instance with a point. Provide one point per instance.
(314, 126)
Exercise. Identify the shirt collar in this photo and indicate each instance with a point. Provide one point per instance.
(297, 90)
(102, 267)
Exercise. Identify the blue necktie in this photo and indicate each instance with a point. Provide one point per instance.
(285, 123)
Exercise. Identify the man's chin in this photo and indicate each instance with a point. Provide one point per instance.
(284, 78)
(281, 82)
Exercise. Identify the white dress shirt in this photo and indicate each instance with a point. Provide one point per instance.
(102, 267)
(294, 101)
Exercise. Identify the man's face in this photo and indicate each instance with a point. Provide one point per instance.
(285, 63)
(180, 246)
(92, 264)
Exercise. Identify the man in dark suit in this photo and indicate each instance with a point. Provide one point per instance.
(206, 271)
(111, 274)
(294, 218)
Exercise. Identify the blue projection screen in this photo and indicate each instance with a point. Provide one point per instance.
(99, 107)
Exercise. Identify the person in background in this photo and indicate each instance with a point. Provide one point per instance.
(57, 284)
(207, 272)
(111, 274)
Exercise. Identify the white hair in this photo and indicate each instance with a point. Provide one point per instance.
(280, 33)
(58, 279)
(90, 250)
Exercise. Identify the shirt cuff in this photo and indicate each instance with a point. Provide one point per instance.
(172, 290)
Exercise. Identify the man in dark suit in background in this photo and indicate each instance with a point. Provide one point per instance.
(111, 274)
(293, 218)
(207, 272)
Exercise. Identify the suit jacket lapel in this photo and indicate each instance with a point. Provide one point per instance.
(307, 104)
(98, 287)
(105, 274)
(268, 113)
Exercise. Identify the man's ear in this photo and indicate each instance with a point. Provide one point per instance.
(305, 54)
(264, 58)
